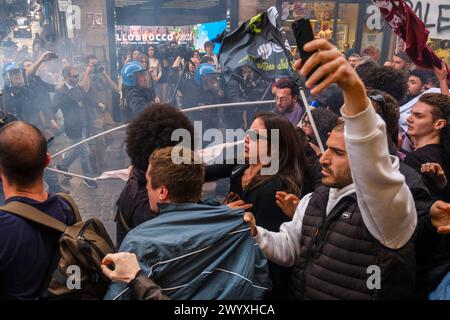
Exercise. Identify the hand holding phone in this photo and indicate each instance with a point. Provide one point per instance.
(303, 34)
(52, 55)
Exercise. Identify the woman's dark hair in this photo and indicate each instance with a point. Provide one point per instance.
(388, 109)
(155, 50)
(292, 160)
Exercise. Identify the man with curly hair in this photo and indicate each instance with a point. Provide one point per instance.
(150, 130)
(386, 79)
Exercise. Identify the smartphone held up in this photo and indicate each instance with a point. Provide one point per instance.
(303, 34)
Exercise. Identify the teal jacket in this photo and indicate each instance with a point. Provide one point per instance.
(198, 252)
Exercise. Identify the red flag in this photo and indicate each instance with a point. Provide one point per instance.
(405, 23)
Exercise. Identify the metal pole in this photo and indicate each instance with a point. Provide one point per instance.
(267, 90)
(311, 119)
(88, 140)
(215, 106)
(71, 174)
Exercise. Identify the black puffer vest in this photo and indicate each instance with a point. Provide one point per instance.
(336, 252)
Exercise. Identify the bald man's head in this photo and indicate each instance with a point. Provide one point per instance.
(23, 153)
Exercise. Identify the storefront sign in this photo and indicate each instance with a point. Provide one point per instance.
(138, 36)
(193, 35)
(435, 14)
(63, 5)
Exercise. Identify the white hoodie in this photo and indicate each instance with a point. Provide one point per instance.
(385, 201)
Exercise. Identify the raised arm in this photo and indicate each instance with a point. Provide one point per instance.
(441, 74)
(385, 201)
(46, 56)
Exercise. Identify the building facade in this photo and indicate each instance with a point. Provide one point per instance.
(357, 24)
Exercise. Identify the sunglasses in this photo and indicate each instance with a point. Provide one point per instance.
(306, 122)
(255, 136)
(378, 98)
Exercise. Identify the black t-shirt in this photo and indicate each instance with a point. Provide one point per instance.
(134, 205)
(22, 104)
(431, 153)
(190, 91)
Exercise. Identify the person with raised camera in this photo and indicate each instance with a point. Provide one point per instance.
(98, 85)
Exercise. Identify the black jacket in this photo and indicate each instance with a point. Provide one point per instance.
(143, 288)
(433, 257)
(21, 103)
(422, 196)
(337, 251)
(190, 91)
(41, 91)
(133, 205)
(433, 153)
(137, 99)
(71, 103)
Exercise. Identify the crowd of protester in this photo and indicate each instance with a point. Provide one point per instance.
(189, 78)
(61, 96)
(347, 195)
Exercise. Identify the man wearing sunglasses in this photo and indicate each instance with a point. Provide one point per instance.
(70, 99)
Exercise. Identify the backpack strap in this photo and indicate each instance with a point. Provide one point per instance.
(122, 220)
(31, 213)
(73, 206)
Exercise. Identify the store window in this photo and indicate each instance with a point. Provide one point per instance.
(347, 24)
(250, 8)
(436, 16)
(372, 35)
(442, 48)
(321, 15)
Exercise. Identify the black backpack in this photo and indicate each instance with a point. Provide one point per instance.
(82, 247)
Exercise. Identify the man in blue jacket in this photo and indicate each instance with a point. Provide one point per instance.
(192, 250)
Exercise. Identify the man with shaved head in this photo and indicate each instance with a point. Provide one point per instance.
(27, 248)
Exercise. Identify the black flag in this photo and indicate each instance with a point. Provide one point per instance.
(259, 43)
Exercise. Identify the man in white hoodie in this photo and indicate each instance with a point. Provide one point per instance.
(353, 237)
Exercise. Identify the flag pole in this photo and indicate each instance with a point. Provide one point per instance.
(267, 90)
(302, 94)
(311, 120)
(208, 107)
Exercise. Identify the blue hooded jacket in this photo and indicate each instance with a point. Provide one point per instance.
(442, 292)
(197, 252)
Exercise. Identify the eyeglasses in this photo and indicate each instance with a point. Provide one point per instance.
(255, 136)
(378, 98)
(283, 99)
(306, 122)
